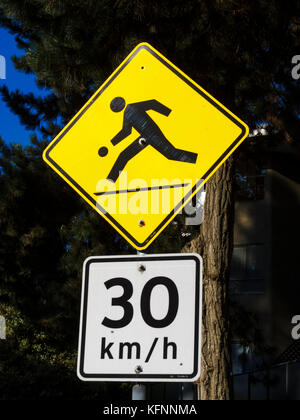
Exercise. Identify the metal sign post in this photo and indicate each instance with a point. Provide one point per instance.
(139, 392)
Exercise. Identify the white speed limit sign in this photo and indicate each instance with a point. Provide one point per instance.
(141, 318)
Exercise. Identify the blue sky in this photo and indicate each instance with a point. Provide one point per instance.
(11, 129)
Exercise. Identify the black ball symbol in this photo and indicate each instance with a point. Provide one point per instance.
(103, 151)
(117, 104)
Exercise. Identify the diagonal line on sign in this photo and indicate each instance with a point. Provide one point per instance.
(162, 187)
(151, 349)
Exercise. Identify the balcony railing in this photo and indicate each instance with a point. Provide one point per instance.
(280, 382)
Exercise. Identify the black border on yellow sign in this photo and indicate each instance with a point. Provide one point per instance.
(195, 187)
(197, 324)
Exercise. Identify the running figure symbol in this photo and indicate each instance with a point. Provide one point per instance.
(135, 116)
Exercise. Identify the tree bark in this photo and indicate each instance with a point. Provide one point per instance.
(215, 244)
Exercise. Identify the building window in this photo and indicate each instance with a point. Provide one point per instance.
(250, 187)
(242, 358)
(247, 270)
(250, 178)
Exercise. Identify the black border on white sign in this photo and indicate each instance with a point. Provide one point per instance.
(197, 318)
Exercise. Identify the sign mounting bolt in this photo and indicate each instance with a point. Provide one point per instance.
(142, 268)
(142, 141)
(138, 370)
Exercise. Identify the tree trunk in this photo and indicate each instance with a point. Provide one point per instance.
(214, 244)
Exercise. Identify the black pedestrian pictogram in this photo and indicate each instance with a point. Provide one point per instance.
(135, 116)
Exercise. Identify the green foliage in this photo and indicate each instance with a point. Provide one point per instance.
(238, 51)
(34, 366)
(46, 233)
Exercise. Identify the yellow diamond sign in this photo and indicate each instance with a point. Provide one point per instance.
(144, 145)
